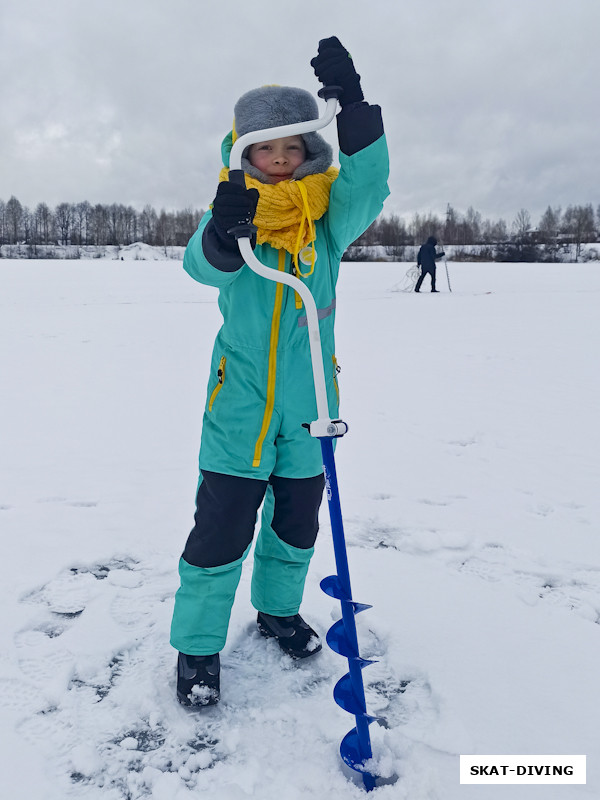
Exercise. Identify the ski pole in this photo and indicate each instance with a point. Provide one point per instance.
(355, 748)
(447, 275)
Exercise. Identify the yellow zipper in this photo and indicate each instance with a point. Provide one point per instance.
(221, 381)
(294, 272)
(336, 370)
(275, 320)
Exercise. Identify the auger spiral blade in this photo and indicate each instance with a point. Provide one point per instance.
(345, 696)
(339, 642)
(331, 585)
(349, 692)
(350, 751)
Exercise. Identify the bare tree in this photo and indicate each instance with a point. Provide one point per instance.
(451, 225)
(423, 226)
(494, 232)
(392, 231)
(148, 220)
(549, 227)
(473, 226)
(522, 223)
(115, 224)
(27, 223)
(81, 217)
(14, 219)
(165, 232)
(43, 223)
(186, 222)
(100, 225)
(130, 225)
(63, 217)
(578, 224)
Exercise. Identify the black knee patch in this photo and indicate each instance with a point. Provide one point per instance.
(225, 518)
(296, 515)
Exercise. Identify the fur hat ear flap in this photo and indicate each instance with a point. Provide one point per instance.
(272, 106)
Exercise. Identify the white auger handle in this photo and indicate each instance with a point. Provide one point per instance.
(295, 129)
(323, 425)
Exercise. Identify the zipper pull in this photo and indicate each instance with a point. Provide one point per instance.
(220, 381)
(221, 370)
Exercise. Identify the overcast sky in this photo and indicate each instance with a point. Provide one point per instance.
(489, 103)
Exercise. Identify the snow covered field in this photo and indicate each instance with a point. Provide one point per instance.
(469, 484)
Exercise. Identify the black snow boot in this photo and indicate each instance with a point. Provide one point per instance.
(198, 683)
(293, 635)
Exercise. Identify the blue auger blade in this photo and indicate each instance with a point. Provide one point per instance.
(350, 753)
(331, 585)
(339, 642)
(358, 607)
(345, 696)
(355, 748)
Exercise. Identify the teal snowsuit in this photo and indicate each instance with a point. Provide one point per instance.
(260, 392)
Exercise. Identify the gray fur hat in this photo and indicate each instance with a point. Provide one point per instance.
(271, 106)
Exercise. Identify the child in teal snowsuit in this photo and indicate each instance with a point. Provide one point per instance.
(254, 447)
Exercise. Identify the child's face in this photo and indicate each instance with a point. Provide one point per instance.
(278, 158)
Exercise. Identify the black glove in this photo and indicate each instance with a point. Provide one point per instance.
(333, 66)
(233, 205)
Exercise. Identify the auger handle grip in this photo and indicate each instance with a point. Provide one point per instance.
(327, 92)
(237, 176)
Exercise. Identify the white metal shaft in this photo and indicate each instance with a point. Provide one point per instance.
(312, 318)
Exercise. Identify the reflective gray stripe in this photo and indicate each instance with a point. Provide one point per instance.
(321, 313)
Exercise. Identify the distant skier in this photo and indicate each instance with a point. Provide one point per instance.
(426, 260)
(260, 390)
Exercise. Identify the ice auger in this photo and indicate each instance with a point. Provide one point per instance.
(348, 693)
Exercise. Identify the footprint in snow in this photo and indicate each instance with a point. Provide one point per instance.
(375, 534)
(572, 587)
(94, 690)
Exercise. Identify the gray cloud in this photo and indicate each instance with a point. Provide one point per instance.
(489, 103)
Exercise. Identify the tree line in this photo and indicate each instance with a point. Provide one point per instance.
(86, 224)
(521, 240)
(116, 224)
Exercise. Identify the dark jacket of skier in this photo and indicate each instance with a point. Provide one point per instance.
(427, 255)
(426, 259)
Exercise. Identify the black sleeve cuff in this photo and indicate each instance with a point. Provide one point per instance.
(359, 125)
(221, 257)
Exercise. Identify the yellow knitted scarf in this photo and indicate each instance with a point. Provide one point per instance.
(286, 210)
